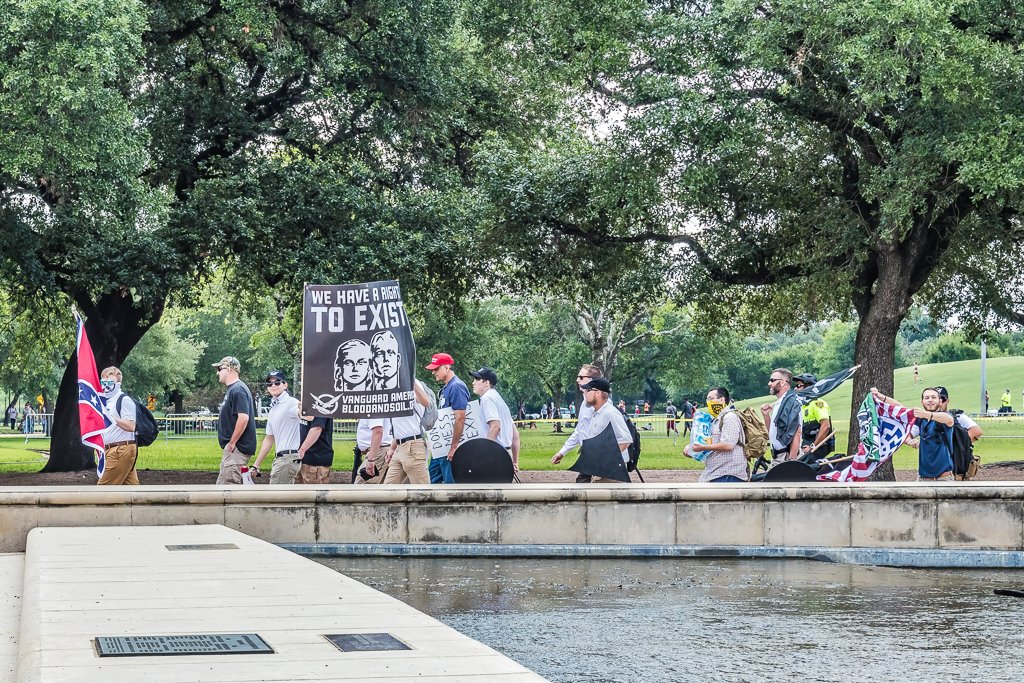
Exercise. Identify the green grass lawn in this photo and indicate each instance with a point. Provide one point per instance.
(1005, 437)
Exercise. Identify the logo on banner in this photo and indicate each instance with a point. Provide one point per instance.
(358, 354)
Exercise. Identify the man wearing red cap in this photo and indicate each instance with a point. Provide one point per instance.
(454, 395)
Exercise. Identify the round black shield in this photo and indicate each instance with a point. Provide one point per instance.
(791, 470)
(482, 461)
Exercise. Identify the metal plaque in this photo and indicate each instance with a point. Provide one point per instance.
(202, 644)
(203, 546)
(365, 642)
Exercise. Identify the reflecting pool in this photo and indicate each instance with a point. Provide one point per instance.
(718, 620)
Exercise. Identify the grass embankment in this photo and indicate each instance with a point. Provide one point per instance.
(961, 378)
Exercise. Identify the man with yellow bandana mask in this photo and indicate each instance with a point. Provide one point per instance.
(726, 461)
(817, 421)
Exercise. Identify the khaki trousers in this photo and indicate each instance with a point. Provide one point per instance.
(119, 466)
(377, 459)
(409, 464)
(313, 474)
(285, 469)
(231, 467)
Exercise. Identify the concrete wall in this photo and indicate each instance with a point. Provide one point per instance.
(975, 515)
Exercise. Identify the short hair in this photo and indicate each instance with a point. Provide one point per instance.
(592, 370)
(722, 393)
(785, 372)
(112, 370)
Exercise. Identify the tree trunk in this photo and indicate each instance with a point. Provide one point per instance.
(882, 309)
(114, 325)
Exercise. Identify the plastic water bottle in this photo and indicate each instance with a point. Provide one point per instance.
(700, 434)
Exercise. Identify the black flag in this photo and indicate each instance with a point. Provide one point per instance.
(600, 456)
(825, 385)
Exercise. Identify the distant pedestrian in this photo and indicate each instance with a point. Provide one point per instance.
(1006, 402)
(670, 421)
(236, 426)
(916, 374)
(12, 415)
(120, 450)
(544, 411)
(282, 432)
(28, 425)
(688, 409)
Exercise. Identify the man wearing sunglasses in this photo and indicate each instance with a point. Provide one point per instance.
(783, 417)
(586, 414)
(282, 432)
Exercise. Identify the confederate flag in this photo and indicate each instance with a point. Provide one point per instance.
(90, 404)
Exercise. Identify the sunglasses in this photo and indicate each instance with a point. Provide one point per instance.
(772, 380)
(275, 383)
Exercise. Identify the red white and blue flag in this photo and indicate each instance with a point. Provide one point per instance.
(91, 419)
(883, 429)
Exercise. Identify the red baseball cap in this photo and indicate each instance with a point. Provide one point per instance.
(439, 359)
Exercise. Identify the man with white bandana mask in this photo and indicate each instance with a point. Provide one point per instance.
(119, 438)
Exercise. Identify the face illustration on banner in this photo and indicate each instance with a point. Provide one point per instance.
(386, 360)
(352, 366)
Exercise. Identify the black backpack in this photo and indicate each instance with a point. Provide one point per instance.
(146, 430)
(963, 446)
(634, 448)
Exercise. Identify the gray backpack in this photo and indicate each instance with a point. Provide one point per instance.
(430, 411)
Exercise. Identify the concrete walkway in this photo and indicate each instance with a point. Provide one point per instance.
(82, 583)
(12, 574)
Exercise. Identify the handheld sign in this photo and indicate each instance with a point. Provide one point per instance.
(440, 435)
(358, 354)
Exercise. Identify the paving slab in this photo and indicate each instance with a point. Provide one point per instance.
(87, 582)
(12, 573)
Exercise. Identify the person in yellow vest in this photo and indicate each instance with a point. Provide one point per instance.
(1006, 402)
(817, 425)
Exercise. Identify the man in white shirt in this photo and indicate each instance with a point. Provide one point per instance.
(496, 414)
(582, 430)
(406, 458)
(596, 393)
(121, 451)
(373, 439)
(282, 432)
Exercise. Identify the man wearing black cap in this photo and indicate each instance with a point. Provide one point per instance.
(596, 393)
(495, 412)
(282, 432)
(817, 434)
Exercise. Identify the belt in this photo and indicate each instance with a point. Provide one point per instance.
(118, 443)
(410, 438)
(283, 453)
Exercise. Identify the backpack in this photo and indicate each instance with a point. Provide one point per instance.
(146, 429)
(963, 449)
(755, 435)
(634, 448)
(429, 416)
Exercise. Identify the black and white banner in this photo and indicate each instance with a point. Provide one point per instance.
(358, 354)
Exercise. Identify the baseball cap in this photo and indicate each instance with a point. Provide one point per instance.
(599, 383)
(276, 374)
(943, 393)
(439, 359)
(228, 361)
(486, 373)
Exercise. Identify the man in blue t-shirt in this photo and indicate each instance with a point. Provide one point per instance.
(935, 447)
(454, 395)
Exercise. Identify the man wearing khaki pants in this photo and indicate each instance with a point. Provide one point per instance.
(236, 426)
(406, 459)
(121, 450)
(373, 438)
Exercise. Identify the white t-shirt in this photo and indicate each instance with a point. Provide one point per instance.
(404, 427)
(492, 407)
(283, 423)
(364, 432)
(113, 433)
(581, 430)
(609, 414)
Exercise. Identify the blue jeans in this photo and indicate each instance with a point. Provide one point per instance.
(727, 479)
(440, 471)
